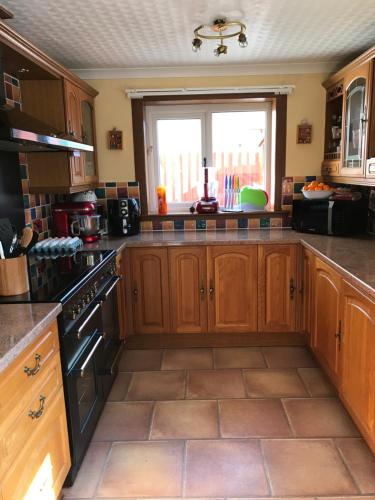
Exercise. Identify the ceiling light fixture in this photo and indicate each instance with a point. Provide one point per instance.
(219, 27)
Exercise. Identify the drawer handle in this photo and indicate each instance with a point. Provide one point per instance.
(30, 372)
(38, 413)
(291, 289)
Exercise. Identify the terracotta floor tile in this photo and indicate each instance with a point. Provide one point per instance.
(184, 420)
(89, 473)
(273, 384)
(215, 384)
(319, 418)
(180, 359)
(148, 469)
(306, 467)
(120, 387)
(253, 418)
(224, 468)
(352, 497)
(155, 386)
(273, 498)
(316, 382)
(238, 357)
(124, 421)
(140, 360)
(361, 462)
(288, 357)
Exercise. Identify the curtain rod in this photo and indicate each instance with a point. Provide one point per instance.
(270, 89)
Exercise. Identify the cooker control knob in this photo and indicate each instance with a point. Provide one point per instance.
(87, 298)
(71, 314)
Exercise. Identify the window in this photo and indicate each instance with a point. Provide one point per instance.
(234, 139)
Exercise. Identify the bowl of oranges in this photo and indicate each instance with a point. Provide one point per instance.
(316, 190)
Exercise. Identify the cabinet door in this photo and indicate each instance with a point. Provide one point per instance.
(356, 102)
(73, 110)
(150, 290)
(232, 288)
(88, 137)
(277, 288)
(307, 290)
(358, 358)
(187, 285)
(326, 324)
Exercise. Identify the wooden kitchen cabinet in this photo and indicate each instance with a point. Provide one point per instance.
(358, 359)
(232, 288)
(34, 444)
(187, 288)
(326, 334)
(150, 290)
(349, 144)
(70, 109)
(277, 288)
(307, 284)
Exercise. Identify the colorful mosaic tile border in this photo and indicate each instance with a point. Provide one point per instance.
(37, 206)
(12, 91)
(114, 190)
(212, 224)
(291, 189)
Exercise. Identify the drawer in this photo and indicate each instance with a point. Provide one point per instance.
(40, 469)
(26, 372)
(17, 430)
(331, 168)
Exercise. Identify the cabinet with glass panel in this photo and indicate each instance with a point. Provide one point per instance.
(349, 148)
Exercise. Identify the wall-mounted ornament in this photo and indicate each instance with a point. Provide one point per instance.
(304, 133)
(115, 139)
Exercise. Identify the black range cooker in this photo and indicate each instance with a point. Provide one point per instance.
(85, 284)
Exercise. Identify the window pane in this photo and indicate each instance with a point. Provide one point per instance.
(180, 158)
(238, 147)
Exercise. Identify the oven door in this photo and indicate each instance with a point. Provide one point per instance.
(112, 345)
(84, 398)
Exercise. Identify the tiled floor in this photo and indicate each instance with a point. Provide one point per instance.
(224, 423)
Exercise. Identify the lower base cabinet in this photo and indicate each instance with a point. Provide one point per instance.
(34, 443)
(232, 288)
(358, 359)
(326, 322)
(277, 288)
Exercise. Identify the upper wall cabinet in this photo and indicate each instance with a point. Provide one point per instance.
(349, 145)
(52, 94)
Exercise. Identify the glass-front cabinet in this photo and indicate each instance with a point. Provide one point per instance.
(356, 90)
(88, 137)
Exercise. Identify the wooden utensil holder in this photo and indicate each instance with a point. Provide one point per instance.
(14, 279)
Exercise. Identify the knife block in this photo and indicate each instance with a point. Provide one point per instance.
(14, 279)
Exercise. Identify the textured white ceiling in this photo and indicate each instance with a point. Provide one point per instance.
(158, 33)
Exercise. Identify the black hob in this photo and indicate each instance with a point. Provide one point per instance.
(57, 278)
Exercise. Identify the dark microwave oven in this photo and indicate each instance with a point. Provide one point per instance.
(334, 217)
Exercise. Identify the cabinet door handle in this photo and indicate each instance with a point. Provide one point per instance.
(338, 336)
(39, 412)
(201, 291)
(135, 294)
(291, 289)
(211, 289)
(30, 372)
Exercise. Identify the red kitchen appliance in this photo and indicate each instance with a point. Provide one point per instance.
(76, 219)
(207, 204)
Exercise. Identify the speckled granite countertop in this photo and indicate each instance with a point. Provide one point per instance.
(353, 257)
(20, 324)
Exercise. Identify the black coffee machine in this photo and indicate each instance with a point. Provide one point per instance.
(123, 216)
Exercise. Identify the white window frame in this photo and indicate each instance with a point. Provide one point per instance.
(204, 113)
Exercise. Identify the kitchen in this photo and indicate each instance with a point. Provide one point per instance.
(171, 325)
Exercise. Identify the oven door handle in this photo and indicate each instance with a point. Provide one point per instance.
(78, 332)
(81, 371)
(103, 297)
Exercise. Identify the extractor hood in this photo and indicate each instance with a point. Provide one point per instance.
(21, 132)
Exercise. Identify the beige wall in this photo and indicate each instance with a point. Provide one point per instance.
(113, 109)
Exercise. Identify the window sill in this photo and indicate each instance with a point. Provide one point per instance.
(218, 215)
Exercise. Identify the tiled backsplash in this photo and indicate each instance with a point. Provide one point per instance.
(12, 91)
(291, 189)
(37, 206)
(113, 190)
